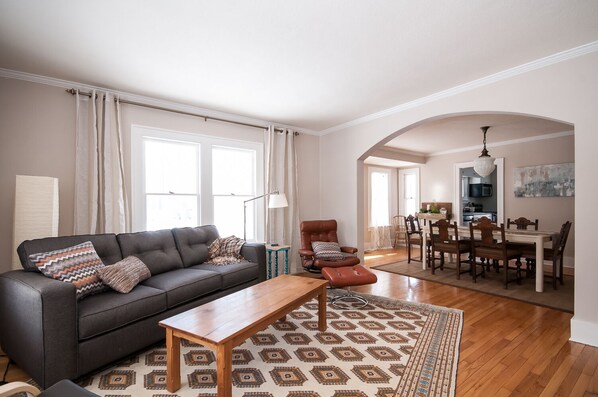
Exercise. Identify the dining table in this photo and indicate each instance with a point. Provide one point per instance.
(537, 237)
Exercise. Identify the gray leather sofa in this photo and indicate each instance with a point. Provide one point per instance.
(52, 336)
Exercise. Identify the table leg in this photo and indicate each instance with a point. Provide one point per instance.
(424, 250)
(269, 264)
(322, 310)
(173, 361)
(539, 264)
(224, 363)
(276, 264)
(286, 261)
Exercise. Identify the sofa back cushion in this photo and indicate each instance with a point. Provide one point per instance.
(105, 245)
(156, 249)
(193, 243)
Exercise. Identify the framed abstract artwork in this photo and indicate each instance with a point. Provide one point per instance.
(551, 180)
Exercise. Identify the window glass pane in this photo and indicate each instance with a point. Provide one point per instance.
(233, 171)
(409, 184)
(171, 167)
(168, 211)
(379, 198)
(228, 216)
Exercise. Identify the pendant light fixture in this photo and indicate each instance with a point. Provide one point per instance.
(484, 165)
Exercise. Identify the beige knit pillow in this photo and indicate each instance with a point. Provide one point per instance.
(124, 275)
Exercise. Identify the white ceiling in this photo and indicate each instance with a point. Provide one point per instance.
(310, 64)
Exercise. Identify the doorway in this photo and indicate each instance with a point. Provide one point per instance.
(462, 189)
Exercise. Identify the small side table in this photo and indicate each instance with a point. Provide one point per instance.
(276, 249)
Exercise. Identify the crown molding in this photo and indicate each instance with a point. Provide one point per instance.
(51, 81)
(493, 78)
(505, 143)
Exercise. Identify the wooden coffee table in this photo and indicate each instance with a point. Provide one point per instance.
(226, 322)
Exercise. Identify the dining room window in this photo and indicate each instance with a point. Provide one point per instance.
(409, 191)
(379, 197)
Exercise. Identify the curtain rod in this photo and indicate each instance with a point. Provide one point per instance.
(73, 91)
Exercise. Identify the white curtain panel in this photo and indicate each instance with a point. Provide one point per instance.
(381, 237)
(282, 224)
(101, 202)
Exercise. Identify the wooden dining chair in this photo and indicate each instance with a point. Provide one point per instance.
(415, 236)
(445, 242)
(490, 248)
(522, 223)
(554, 254)
(398, 225)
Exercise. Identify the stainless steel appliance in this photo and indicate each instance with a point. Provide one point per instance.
(480, 190)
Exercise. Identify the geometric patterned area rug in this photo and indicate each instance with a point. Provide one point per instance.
(388, 348)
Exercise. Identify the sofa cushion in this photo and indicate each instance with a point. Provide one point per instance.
(111, 310)
(183, 285)
(193, 243)
(124, 275)
(232, 274)
(156, 249)
(105, 245)
(76, 265)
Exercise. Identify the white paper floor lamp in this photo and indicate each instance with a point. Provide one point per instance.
(36, 211)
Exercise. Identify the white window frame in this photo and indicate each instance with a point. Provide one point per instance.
(402, 173)
(387, 171)
(206, 142)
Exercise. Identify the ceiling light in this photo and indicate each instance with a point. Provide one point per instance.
(484, 165)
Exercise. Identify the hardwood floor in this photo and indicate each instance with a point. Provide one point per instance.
(508, 348)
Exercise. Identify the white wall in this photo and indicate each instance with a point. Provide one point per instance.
(566, 91)
(37, 137)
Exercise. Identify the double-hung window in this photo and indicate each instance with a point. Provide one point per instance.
(379, 189)
(182, 179)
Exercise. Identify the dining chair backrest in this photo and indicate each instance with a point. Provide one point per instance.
(482, 218)
(522, 223)
(412, 225)
(440, 230)
(562, 238)
(486, 229)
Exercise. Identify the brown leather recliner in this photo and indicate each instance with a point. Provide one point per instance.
(323, 231)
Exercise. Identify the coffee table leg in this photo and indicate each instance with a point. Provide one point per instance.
(224, 363)
(173, 361)
(322, 310)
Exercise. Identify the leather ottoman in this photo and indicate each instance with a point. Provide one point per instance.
(347, 277)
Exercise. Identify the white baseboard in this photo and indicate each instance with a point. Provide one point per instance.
(584, 332)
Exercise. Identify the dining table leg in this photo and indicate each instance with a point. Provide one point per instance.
(424, 250)
(539, 264)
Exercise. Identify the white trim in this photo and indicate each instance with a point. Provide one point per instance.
(584, 332)
(505, 143)
(493, 78)
(51, 81)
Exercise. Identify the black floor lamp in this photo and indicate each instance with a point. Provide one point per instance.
(276, 200)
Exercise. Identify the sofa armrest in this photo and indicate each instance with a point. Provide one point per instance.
(256, 252)
(38, 325)
(349, 250)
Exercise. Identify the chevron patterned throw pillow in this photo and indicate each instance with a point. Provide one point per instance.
(326, 250)
(76, 265)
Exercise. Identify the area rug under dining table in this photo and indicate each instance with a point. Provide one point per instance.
(493, 283)
(388, 348)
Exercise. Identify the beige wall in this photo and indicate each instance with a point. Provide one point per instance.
(37, 137)
(438, 182)
(566, 91)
